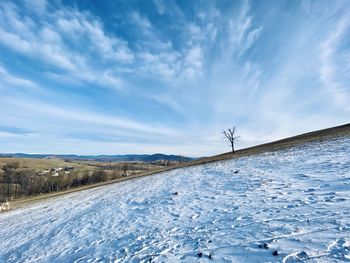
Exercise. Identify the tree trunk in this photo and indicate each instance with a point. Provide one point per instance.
(8, 190)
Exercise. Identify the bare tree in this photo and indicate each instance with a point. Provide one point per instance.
(230, 135)
(9, 175)
(114, 174)
(21, 180)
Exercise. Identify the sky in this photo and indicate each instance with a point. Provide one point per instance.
(118, 77)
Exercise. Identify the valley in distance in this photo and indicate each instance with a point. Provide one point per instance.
(23, 175)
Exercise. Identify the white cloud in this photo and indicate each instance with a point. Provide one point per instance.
(109, 47)
(160, 6)
(10, 135)
(108, 80)
(212, 31)
(77, 116)
(49, 41)
(334, 70)
(141, 21)
(169, 101)
(12, 20)
(242, 33)
(15, 42)
(37, 6)
(42, 43)
(78, 48)
(165, 65)
(9, 79)
(194, 57)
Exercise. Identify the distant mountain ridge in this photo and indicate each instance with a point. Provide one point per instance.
(105, 158)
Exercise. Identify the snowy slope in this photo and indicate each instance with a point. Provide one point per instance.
(294, 201)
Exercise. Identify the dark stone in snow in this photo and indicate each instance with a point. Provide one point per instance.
(266, 246)
(210, 256)
(200, 254)
(275, 253)
(236, 172)
(176, 193)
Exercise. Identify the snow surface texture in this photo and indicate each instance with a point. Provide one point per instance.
(295, 202)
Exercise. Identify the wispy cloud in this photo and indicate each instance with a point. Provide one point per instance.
(12, 81)
(335, 61)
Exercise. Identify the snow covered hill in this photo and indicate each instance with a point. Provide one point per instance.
(287, 206)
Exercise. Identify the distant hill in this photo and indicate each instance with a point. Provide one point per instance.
(149, 158)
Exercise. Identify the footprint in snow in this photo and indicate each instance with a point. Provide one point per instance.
(340, 249)
(194, 216)
(310, 190)
(296, 257)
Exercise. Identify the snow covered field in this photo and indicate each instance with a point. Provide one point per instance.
(295, 202)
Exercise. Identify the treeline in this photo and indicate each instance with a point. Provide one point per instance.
(16, 182)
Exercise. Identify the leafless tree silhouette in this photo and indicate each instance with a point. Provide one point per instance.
(230, 135)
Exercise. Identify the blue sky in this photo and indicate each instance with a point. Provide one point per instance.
(114, 77)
